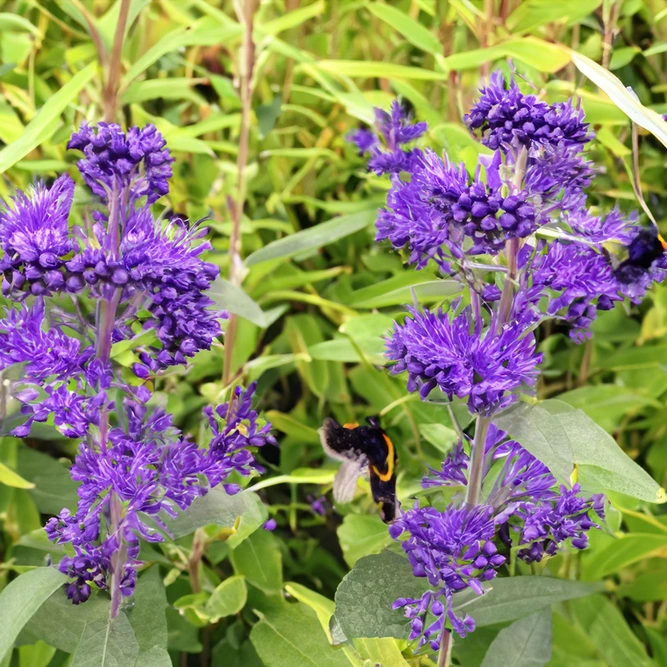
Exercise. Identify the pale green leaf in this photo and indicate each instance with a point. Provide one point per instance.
(43, 125)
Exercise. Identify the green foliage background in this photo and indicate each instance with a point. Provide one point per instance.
(317, 295)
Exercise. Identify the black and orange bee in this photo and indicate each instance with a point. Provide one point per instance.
(363, 449)
(647, 246)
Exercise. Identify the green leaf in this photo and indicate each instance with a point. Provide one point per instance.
(292, 427)
(405, 25)
(173, 88)
(291, 635)
(515, 597)
(361, 535)
(544, 56)
(342, 349)
(606, 404)
(22, 598)
(198, 35)
(625, 100)
(534, 13)
(236, 301)
(399, 290)
(605, 626)
(9, 478)
(623, 551)
(59, 623)
(43, 125)
(227, 599)
(525, 643)
(243, 513)
(259, 560)
(53, 489)
(323, 607)
(368, 69)
(15, 22)
(365, 596)
(149, 621)
(107, 643)
(561, 436)
(314, 237)
(292, 19)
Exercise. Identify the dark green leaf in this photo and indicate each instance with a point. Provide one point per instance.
(259, 560)
(561, 436)
(292, 635)
(220, 509)
(107, 643)
(365, 596)
(525, 643)
(22, 598)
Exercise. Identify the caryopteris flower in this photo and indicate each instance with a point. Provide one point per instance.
(454, 550)
(461, 547)
(150, 470)
(145, 274)
(439, 350)
(35, 238)
(396, 130)
(506, 116)
(519, 237)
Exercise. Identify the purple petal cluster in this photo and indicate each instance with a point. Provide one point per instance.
(458, 548)
(543, 527)
(506, 117)
(583, 280)
(439, 209)
(113, 161)
(35, 238)
(133, 467)
(454, 550)
(438, 350)
(149, 470)
(397, 130)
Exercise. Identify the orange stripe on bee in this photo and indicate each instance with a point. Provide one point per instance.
(662, 242)
(351, 425)
(386, 476)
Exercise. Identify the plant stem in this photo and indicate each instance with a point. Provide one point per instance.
(245, 10)
(511, 248)
(110, 92)
(446, 644)
(474, 487)
(119, 556)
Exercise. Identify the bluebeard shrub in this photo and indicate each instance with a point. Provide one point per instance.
(143, 274)
(523, 216)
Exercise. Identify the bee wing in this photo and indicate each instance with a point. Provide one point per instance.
(345, 482)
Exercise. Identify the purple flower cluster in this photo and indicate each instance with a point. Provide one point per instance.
(525, 246)
(508, 117)
(454, 550)
(113, 161)
(438, 350)
(396, 130)
(145, 473)
(457, 548)
(36, 240)
(134, 467)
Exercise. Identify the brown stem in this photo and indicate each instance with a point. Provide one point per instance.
(102, 54)
(486, 30)
(198, 546)
(446, 645)
(245, 10)
(609, 30)
(110, 92)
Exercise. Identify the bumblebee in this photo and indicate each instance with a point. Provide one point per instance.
(363, 450)
(644, 249)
